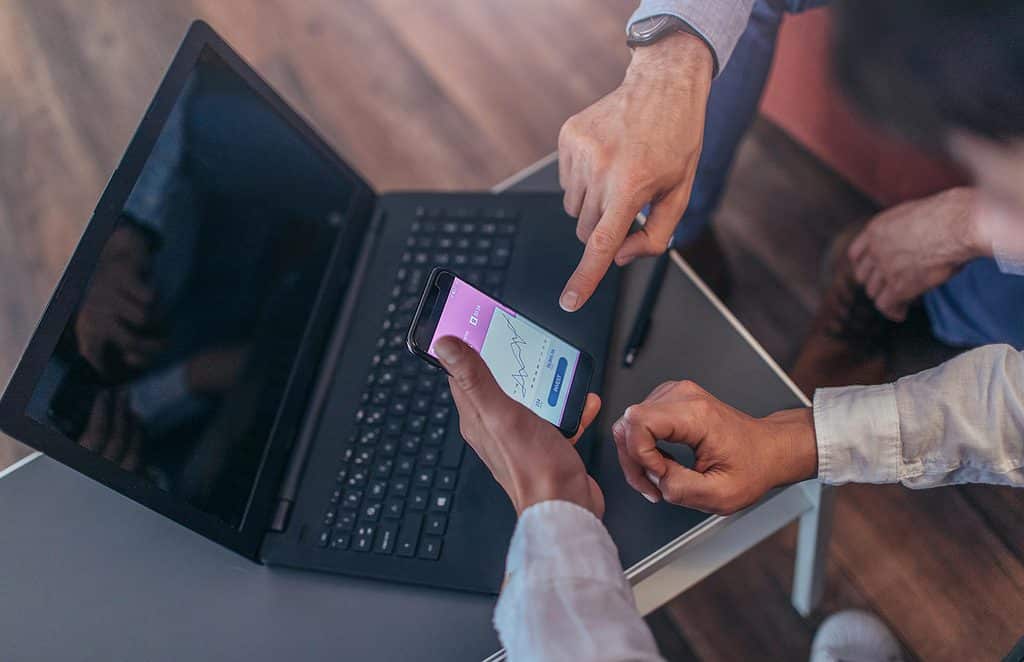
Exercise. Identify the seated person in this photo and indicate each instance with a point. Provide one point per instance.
(565, 596)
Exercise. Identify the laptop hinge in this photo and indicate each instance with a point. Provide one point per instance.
(297, 462)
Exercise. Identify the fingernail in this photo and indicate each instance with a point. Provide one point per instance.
(569, 301)
(447, 351)
(654, 479)
(649, 497)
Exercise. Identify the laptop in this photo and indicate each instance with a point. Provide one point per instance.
(226, 345)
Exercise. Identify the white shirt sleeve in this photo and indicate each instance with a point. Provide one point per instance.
(961, 422)
(720, 23)
(565, 596)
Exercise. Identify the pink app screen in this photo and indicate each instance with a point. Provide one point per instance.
(530, 364)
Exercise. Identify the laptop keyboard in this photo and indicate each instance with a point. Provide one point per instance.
(398, 472)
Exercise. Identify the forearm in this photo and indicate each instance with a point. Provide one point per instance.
(566, 596)
(719, 24)
(962, 422)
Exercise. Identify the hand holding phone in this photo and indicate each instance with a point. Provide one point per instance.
(527, 457)
(532, 365)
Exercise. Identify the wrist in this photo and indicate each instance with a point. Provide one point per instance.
(684, 56)
(973, 239)
(795, 445)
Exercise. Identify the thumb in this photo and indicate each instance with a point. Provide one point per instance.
(686, 487)
(469, 374)
(653, 237)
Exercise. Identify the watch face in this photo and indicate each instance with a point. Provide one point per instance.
(648, 28)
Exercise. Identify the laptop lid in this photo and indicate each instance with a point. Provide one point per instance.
(175, 359)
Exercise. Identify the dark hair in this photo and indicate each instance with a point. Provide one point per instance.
(924, 67)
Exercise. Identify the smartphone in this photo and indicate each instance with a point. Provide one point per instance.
(531, 364)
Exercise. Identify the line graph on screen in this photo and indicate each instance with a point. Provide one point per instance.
(517, 345)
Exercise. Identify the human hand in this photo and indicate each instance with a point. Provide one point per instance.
(113, 431)
(639, 144)
(738, 457)
(528, 456)
(909, 249)
(109, 324)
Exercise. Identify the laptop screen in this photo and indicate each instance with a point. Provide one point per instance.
(175, 361)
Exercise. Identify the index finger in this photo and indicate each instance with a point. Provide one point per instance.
(644, 424)
(603, 244)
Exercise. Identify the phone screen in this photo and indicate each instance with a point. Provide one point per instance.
(530, 364)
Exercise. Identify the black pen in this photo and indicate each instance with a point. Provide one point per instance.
(643, 316)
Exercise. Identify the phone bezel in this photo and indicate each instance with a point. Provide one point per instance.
(424, 324)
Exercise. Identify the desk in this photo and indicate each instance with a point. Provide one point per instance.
(91, 575)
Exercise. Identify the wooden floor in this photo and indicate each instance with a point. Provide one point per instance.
(460, 95)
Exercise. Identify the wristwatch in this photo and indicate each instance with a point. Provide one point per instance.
(649, 30)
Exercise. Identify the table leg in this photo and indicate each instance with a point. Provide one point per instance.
(815, 528)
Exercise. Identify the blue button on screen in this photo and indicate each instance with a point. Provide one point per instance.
(556, 383)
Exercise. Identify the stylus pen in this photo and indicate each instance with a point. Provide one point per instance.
(642, 323)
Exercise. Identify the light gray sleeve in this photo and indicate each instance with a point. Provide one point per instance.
(961, 422)
(718, 22)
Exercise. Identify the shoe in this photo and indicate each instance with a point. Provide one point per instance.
(855, 636)
(848, 339)
(705, 255)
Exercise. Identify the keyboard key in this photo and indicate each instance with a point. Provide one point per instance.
(371, 511)
(421, 404)
(342, 475)
(325, 538)
(405, 465)
(388, 447)
(363, 458)
(444, 396)
(446, 479)
(418, 499)
(424, 478)
(393, 508)
(399, 487)
(400, 408)
(369, 437)
(409, 535)
(405, 388)
(329, 516)
(440, 415)
(436, 435)
(426, 384)
(386, 377)
(381, 396)
(430, 548)
(383, 468)
(415, 424)
(429, 457)
(480, 260)
(411, 443)
(357, 478)
(346, 520)
(377, 489)
(362, 539)
(386, 534)
(336, 496)
(352, 498)
(436, 523)
(340, 541)
(441, 501)
(346, 455)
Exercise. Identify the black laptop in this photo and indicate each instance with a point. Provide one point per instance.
(227, 343)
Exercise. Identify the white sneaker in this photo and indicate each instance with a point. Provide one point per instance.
(855, 636)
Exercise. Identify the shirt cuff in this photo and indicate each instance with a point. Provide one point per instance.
(720, 23)
(858, 434)
(559, 539)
